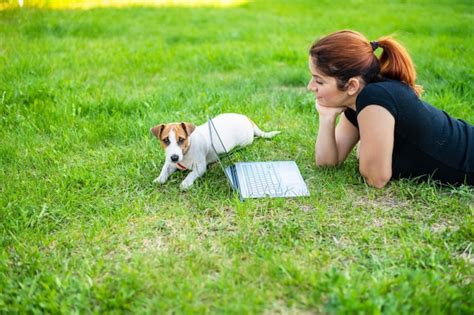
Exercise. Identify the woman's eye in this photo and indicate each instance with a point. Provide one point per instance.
(317, 81)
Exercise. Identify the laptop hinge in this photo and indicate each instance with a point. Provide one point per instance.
(235, 179)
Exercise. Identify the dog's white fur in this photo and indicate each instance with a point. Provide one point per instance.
(234, 130)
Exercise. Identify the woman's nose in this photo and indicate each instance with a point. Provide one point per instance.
(311, 87)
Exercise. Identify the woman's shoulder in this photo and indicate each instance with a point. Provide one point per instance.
(388, 86)
(382, 93)
(390, 94)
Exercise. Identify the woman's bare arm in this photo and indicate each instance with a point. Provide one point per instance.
(376, 126)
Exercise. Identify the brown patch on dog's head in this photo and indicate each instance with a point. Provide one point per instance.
(188, 128)
(161, 132)
(182, 131)
(156, 130)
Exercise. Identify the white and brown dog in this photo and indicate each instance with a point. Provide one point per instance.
(188, 147)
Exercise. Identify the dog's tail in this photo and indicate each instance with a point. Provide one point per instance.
(259, 133)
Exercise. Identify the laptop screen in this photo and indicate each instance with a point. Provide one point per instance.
(225, 160)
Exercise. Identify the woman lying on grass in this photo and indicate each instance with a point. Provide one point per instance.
(400, 135)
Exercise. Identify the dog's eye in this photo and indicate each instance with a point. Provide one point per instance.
(180, 140)
(166, 141)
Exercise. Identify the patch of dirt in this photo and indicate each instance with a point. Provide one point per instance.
(280, 307)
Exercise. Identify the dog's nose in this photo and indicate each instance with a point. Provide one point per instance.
(174, 158)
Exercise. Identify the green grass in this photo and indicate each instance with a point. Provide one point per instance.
(84, 230)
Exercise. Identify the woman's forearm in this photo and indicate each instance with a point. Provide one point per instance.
(326, 147)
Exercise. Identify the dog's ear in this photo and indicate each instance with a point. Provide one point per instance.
(188, 128)
(157, 130)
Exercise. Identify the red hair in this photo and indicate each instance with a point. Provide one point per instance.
(346, 54)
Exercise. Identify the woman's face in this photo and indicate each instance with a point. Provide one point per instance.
(325, 88)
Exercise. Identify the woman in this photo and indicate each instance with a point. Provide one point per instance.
(400, 135)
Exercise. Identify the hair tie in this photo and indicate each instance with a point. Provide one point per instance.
(374, 44)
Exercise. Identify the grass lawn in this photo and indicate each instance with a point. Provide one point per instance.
(84, 230)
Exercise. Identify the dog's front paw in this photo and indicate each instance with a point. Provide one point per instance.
(186, 184)
(160, 180)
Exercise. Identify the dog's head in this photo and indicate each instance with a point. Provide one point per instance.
(174, 139)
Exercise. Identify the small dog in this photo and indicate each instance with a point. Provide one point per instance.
(188, 147)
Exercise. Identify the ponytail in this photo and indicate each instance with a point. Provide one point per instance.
(346, 54)
(396, 63)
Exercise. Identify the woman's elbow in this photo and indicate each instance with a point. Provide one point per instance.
(378, 182)
(326, 163)
(377, 179)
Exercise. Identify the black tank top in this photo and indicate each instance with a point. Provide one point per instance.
(427, 141)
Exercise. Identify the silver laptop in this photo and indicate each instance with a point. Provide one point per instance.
(258, 179)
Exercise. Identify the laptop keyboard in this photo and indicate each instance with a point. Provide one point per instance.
(261, 178)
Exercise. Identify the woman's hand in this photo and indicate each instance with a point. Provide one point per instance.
(329, 111)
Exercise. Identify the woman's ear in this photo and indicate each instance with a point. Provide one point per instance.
(353, 86)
